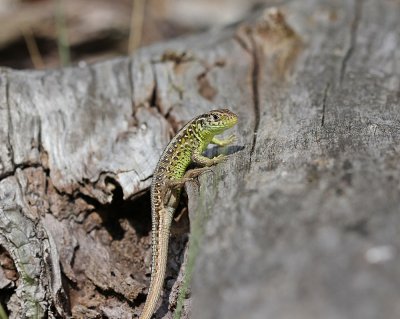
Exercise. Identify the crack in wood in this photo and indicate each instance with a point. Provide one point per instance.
(21, 166)
(9, 120)
(109, 292)
(255, 75)
(353, 33)
(154, 95)
(131, 85)
(241, 43)
(324, 104)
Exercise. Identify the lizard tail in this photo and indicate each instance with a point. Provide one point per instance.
(160, 253)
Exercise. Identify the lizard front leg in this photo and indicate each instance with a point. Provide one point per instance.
(190, 174)
(223, 142)
(202, 160)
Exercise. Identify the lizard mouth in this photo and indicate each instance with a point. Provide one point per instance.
(231, 120)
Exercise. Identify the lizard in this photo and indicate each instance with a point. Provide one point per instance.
(170, 175)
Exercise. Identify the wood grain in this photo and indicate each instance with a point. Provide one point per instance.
(301, 222)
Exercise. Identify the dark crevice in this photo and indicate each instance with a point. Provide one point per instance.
(22, 167)
(102, 43)
(9, 120)
(135, 210)
(39, 136)
(140, 299)
(255, 76)
(324, 104)
(154, 97)
(113, 294)
(72, 262)
(175, 125)
(242, 44)
(5, 296)
(131, 85)
(353, 34)
(46, 182)
(146, 178)
(118, 194)
(88, 199)
(16, 55)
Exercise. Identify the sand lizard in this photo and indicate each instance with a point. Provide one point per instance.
(169, 176)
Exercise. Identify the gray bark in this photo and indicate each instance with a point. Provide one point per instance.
(301, 222)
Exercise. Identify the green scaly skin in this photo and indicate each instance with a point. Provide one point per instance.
(169, 176)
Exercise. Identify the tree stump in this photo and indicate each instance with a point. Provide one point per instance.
(302, 221)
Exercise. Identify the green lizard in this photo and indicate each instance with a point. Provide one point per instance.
(169, 176)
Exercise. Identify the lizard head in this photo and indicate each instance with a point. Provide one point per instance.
(217, 121)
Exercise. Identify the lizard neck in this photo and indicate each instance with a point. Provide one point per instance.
(203, 136)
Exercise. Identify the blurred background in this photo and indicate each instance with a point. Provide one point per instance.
(43, 34)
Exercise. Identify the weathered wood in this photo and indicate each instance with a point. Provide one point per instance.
(302, 221)
(307, 227)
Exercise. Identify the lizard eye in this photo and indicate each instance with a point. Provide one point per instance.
(215, 117)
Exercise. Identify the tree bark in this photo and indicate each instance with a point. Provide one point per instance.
(302, 220)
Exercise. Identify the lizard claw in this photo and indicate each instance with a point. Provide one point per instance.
(231, 138)
(220, 158)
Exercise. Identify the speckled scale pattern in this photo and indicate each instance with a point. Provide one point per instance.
(192, 138)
